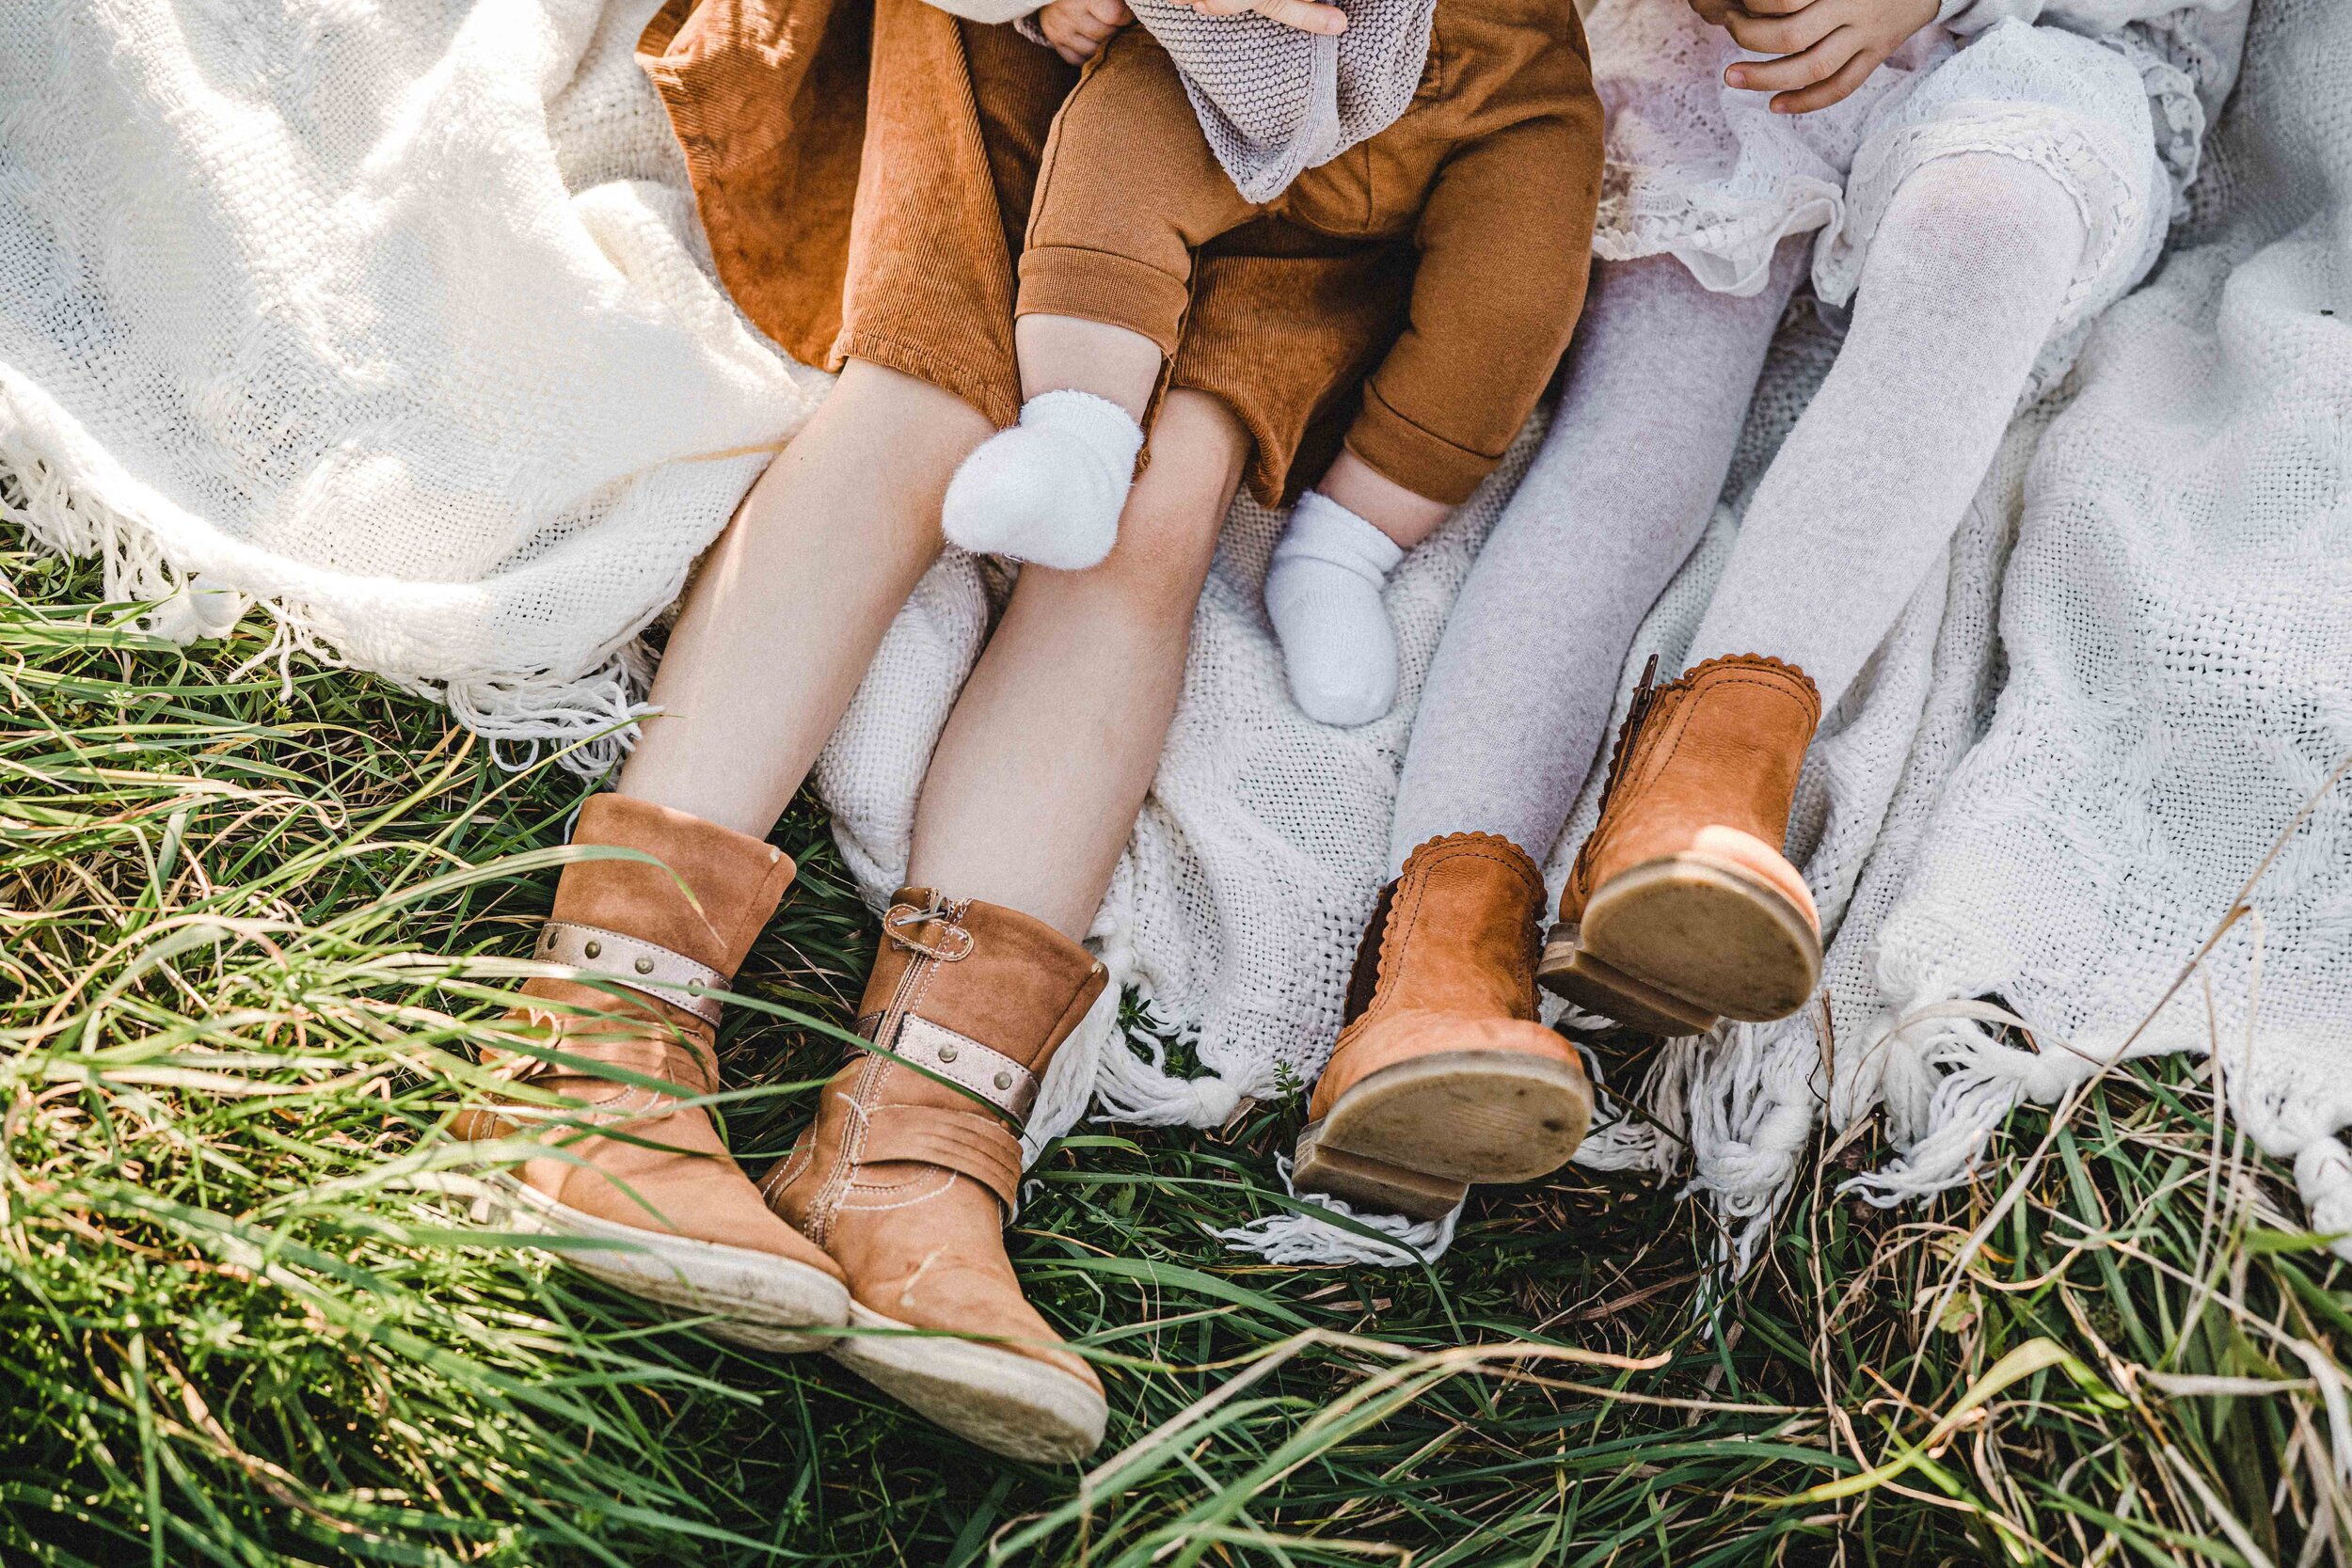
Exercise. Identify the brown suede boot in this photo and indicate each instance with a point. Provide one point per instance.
(913, 1167)
(1442, 1076)
(680, 1221)
(1681, 910)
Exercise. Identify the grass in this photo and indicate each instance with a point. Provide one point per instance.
(246, 934)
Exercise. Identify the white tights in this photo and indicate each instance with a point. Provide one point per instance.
(1963, 286)
(1962, 289)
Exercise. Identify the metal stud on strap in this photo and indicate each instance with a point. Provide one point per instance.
(655, 972)
(962, 1061)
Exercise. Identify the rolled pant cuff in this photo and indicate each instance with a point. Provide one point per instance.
(1429, 465)
(1100, 286)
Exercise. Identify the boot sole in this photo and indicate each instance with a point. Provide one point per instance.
(756, 1299)
(1674, 946)
(1007, 1402)
(1412, 1138)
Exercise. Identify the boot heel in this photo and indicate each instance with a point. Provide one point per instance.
(1570, 971)
(1371, 1184)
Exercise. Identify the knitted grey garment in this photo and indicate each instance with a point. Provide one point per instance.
(1275, 102)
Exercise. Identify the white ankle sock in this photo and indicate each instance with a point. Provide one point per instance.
(1323, 593)
(1049, 490)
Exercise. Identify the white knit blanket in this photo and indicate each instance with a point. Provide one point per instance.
(388, 316)
(399, 328)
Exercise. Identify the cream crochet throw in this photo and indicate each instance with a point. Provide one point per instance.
(390, 318)
(398, 329)
(1275, 102)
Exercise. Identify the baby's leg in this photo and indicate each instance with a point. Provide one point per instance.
(1518, 698)
(1128, 188)
(1322, 589)
(1962, 288)
(1504, 240)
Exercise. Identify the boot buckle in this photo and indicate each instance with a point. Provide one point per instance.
(955, 946)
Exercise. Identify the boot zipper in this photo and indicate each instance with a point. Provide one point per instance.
(1645, 693)
(885, 1035)
(950, 916)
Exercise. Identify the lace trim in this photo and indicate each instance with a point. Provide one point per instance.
(1687, 215)
(2173, 61)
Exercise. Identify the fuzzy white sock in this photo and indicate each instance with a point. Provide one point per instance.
(1049, 489)
(1322, 593)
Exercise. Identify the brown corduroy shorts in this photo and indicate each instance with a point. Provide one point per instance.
(1493, 173)
(864, 172)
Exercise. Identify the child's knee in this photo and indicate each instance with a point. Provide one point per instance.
(1979, 215)
(1155, 571)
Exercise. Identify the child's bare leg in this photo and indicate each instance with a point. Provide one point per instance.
(1034, 787)
(1403, 518)
(794, 598)
(1963, 286)
(1518, 698)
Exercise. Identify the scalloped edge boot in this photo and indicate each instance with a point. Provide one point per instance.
(1442, 1076)
(1681, 910)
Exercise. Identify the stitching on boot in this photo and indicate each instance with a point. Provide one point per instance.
(828, 1198)
(788, 1170)
(947, 1179)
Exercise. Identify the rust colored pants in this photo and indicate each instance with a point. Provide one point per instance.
(863, 171)
(1492, 175)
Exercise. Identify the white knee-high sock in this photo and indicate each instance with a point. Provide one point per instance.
(1323, 594)
(1518, 699)
(1963, 285)
(1051, 489)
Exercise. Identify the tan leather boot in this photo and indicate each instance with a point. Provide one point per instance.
(913, 1167)
(680, 1222)
(1442, 1077)
(1681, 910)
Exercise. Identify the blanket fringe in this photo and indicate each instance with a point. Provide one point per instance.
(1135, 1090)
(592, 718)
(1294, 1239)
(1952, 1080)
(1618, 1142)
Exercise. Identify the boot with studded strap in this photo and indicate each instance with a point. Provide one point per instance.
(912, 1169)
(1442, 1076)
(1681, 910)
(636, 1180)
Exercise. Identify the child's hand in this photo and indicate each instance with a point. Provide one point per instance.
(1306, 16)
(1827, 47)
(1077, 29)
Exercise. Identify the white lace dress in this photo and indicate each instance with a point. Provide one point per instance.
(2109, 96)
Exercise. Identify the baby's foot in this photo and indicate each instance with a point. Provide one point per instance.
(1323, 593)
(1049, 490)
